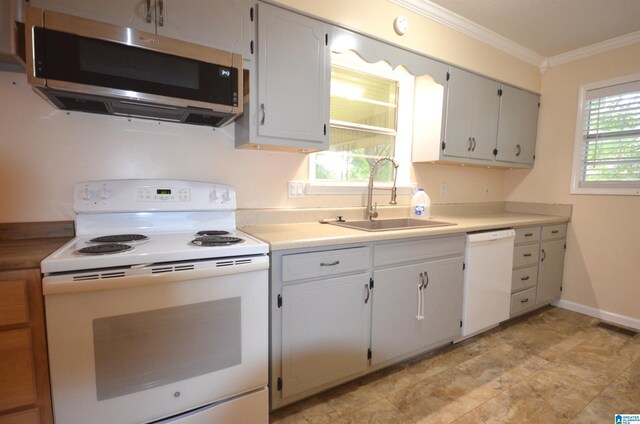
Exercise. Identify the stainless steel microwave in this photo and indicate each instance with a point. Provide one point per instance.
(83, 65)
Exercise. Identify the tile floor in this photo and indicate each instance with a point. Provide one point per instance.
(552, 366)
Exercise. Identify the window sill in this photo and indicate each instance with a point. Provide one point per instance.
(607, 191)
(356, 188)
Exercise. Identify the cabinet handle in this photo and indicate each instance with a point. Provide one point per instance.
(334, 263)
(519, 150)
(473, 149)
(555, 231)
(470, 145)
(544, 255)
(420, 314)
(524, 300)
(426, 282)
(524, 278)
(526, 255)
(264, 114)
(161, 6)
(148, 11)
(366, 286)
(528, 234)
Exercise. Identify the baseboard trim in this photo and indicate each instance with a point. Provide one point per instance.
(600, 314)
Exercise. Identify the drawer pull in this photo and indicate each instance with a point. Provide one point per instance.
(555, 231)
(528, 234)
(524, 278)
(524, 300)
(334, 263)
(526, 255)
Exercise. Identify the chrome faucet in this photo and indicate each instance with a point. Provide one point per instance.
(372, 211)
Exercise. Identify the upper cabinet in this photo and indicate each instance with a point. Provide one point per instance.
(288, 108)
(518, 126)
(471, 123)
(222, 24)
(485, 123)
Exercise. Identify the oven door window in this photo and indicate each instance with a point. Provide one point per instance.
(138, 351)
(67, 57)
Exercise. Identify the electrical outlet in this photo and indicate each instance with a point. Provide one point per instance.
(444, 190)
(295, 189)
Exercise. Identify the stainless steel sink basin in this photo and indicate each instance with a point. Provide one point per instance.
(391, 224)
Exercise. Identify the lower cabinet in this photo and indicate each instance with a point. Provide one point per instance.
(550, 271)
(340, 313)
(325, 331)
(414, 307)
(538, 262)
(24, 374)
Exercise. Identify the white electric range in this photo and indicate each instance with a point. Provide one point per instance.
(157, 310)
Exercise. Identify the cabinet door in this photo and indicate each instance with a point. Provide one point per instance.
(518, 125)
(550, 271)
(443, 300)
(137, 14)
(325, 331)
(395, 327)
(459, 115)
(24, 373)
(222, 24)
(472, 115)
(485, 118)
(293, 77)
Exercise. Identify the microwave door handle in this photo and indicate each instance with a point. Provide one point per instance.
(148, 11)
(161, 7)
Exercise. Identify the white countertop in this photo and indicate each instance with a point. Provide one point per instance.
(314, 234)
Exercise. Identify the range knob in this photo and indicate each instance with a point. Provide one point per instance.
(214, 195)
(104, 193)
(86, 194)
(228, 195)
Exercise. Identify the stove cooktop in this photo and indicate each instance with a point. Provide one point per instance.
(159, 247)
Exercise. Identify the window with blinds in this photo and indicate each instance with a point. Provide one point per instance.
(608, 146)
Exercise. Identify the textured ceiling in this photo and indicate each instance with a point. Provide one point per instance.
(551, 27)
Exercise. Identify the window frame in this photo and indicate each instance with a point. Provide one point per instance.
(579, 143)
(403, 139)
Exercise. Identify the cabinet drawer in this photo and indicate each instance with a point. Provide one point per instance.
(524, 278)
(523, 300)
(525, 255)
(13, 302)
(329, 262)
(406, 251)
(527, 234)
(554, 231)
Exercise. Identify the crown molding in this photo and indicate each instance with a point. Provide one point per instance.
(452, 20)
(603, 46)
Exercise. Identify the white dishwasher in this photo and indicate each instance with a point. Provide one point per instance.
(487, 280)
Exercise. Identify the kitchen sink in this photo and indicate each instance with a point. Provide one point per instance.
(391, 224)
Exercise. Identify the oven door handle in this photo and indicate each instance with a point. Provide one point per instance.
(153, 274)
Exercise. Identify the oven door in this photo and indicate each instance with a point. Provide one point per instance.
(141, 348)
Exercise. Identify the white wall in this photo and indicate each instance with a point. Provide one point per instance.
(44, 151)
(603, 246)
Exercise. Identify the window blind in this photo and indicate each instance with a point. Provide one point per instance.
(611, 134)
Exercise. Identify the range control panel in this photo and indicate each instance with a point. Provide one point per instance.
(152, 195)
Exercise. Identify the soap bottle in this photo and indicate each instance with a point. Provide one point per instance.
(420, 205)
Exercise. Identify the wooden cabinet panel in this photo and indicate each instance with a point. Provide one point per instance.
(17, 382)
(527, 235)
(525, 255)
(325, 263)
(550, 271)
(32, 416)
(13, 302)
(24, 372)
